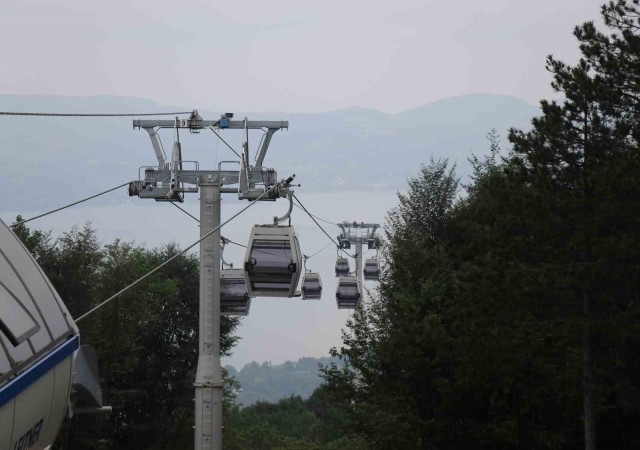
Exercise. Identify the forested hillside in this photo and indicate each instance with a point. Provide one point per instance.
(146, 343)
(508, 316)
(318, 423)
(269, 383)
(146, 340)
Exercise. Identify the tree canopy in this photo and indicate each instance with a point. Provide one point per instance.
(146, 339)
(507, 315)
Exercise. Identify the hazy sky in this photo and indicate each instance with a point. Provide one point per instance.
(287, 55)
(279, 56)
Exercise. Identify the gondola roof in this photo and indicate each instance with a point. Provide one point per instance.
(33, 318)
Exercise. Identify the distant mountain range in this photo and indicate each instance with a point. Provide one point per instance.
(268, 382)
(47, 161)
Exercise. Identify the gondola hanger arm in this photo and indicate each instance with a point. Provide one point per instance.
(223, 242)
(285, 187)
(277, 220)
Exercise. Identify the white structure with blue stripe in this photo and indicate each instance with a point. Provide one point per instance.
(38, 339)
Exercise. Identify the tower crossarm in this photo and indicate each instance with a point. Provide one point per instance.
(167, 180)
(231, 124)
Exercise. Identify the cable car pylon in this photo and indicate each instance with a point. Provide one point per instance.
(169, 181)
(349, 289)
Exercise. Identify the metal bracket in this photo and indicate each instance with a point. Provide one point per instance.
(223, 242)
(277, 220)
(166, 181)
(175, 168)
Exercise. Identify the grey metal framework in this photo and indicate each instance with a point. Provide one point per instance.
(169, 180)
(354, 233)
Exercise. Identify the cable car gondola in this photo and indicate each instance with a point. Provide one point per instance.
(311, 286)
(38, 340)
(234, 298)
(342, 267)
(348, 293)
(371, 269)
(273, 262)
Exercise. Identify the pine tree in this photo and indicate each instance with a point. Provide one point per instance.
(586, 151)
(512, 323)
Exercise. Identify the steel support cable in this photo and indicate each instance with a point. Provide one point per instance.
(320, 226)
(319, 251)
(69, 205)
(16, 113)
(235, 243)
(185, 211)
(154, 270)
(197, 220)
(225, 142)
(319, 218)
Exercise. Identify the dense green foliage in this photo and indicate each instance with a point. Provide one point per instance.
(507, 317)
(146, 343)
(146, 340)
(318, 423)
(269, 383)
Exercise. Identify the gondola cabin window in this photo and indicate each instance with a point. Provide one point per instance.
(15, 321)
(5, 367)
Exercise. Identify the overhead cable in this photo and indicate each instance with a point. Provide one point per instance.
(197, 220)
(185, 211)
(319, 218)
(43, 114)
(235, 243)
(225, 142)
(69, 205)
(152, 271)
(320, 226)
(320, 251)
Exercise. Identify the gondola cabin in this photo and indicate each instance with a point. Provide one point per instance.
(342, 267)
(371, 269)
(273, 261)
(234, 297)
(348, 293)
(38, 339)
(311, 286)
